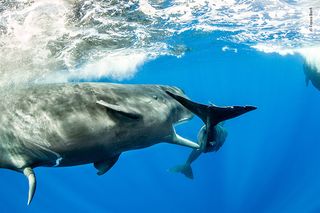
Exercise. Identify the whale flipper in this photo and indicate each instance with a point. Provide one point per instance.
(104, 166)
(29, 173)
(119, 110)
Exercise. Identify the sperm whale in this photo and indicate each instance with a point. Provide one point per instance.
(59, 125)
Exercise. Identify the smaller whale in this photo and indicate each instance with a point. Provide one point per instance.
(220, 136)
(212, 135)
(312, 74)
(211, 114)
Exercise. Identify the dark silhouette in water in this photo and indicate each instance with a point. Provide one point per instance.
(211, 136)
(58, 125)
(220, 135)
(312, 74)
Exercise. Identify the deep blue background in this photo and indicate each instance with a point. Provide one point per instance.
(269, 163)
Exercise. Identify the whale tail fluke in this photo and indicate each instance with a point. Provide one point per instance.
(211, 112)
(183, 169)
(211, 115)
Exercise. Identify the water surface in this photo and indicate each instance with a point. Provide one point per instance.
(226, 53)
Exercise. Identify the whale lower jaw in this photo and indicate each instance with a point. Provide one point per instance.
(174, 138)
(179, 140)
(182, 121)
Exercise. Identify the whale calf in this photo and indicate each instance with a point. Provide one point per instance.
(58, 125)
(220, 135)
(212, 135)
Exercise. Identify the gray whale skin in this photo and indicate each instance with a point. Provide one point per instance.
(58, 125)
(312, 74)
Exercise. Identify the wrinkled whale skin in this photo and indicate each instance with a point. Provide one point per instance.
(62, 124)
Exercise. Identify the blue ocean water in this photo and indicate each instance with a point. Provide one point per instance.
(269, 163)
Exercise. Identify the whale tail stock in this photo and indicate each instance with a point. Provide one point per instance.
(211, 115)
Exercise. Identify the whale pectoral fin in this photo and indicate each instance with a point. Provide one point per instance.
(120, 110)
(106, 165)
(29, 173)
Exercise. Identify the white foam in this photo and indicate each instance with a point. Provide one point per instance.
(116, 66)
(28, 30)
(231, 49)
(312, 56)
(68, 39)
(274, 49)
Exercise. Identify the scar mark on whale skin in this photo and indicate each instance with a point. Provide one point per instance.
(58, 161)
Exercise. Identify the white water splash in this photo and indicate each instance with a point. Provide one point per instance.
(115, 66)
(63, 40)
(231, 49)
(312, 56)
(25, 39)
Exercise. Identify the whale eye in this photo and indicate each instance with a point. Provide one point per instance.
(155, 97)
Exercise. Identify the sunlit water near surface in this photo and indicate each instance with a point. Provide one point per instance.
(222, 52)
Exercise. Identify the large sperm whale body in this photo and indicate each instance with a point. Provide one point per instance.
(57, 125)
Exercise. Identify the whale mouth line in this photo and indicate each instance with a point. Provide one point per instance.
(182, 121)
